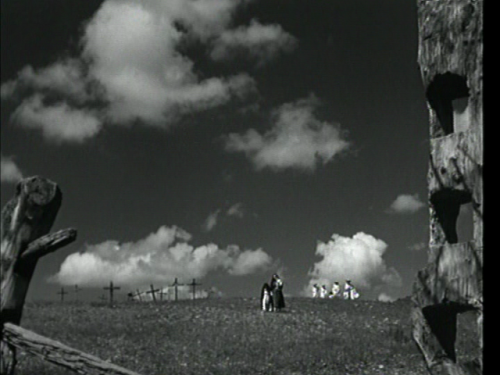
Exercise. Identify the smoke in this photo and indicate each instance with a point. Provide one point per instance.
(156, 259)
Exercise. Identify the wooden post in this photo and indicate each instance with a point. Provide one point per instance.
(62, 292)
(60, 354)
(152, 291)
(111, 288)
(26, 220)
(194, 284)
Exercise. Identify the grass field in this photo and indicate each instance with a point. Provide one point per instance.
(232, 336)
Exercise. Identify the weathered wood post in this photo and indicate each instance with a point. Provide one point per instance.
(450, 57)
(26, 220)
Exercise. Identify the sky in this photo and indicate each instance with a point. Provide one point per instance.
(221, 140)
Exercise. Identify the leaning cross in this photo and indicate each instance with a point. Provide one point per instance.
(152, 291)
(111, 288)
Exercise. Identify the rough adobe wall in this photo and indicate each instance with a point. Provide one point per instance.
(450, 59)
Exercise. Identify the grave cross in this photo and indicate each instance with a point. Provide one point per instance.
(152, 291)
(194, 284)
(162, 293)
(175, 285)
(77, 290)
(111, 288)
(62, 293)
(138, 294)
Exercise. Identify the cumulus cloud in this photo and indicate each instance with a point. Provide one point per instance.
(156, 259)
(406, 204)
(358, 258)
(10, 172)
(132, 68)
(58, 122)
(65, 77)
(235, 210)
(262, 42)
(211, 221)
(418, 246)
(298, 139)
(384, 297)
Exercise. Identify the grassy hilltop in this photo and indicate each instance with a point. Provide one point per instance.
(232, 336)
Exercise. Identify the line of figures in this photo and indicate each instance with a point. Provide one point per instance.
(349, 292)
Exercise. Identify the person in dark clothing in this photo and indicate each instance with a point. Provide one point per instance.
(277, 293)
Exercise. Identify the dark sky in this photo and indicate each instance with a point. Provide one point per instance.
(352, 66)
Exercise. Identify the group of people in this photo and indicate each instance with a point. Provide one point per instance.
(349, 292)
(271, 298)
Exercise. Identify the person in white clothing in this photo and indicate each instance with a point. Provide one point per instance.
(315, 290)
(335, 290)
(323, 292)
(350, 291)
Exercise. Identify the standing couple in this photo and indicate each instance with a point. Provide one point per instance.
(271, 298)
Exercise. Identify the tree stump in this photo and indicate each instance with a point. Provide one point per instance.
(26, 220)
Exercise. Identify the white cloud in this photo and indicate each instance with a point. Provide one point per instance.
(10, 172)
(359, 259)
(156, 259)
(249, 261)
(64, 77)
(131, 66)
(262, 42)
(406, 204)
(418, 246)
(297, 139)
(58, 122)
(211, 221)
(134, 55)
(384, 297)
(235, 210)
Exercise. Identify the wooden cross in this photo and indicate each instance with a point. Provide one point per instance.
(175, 285)
(194, 284)
(138, 294)
(111, 288)
(76, 292)
(152, 291)
(162, 293)
(62, 293)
